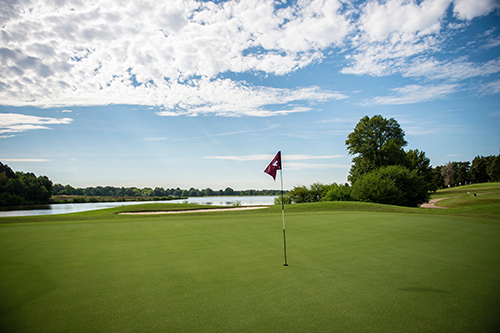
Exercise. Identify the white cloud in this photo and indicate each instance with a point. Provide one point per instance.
(469, 9)
(161, 53)
(400, 36)
(490, 88)
(15, 123)
(403, 18)
(261, 157)
(174, 54)
(162, 138)
(230, 98)
(265, 157)
(414, 94)
(458, 69)
(306, 166)
(24, 160)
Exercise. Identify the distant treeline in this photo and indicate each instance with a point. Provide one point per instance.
(25, 188)
(110, 191)
(482, 169)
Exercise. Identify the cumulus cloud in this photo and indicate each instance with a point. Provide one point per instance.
(403, 18)
(469, 9)
(162, 53)
(176, 54)
(15, 123)
(399, 37)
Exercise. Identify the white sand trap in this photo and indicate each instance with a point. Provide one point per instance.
(194, 210)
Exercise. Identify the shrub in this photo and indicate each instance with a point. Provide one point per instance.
(395, 185)
(339, 193)
(300, 194)
(286, 199)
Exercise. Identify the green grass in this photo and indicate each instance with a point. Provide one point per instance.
(354, 267)
(463, 190)
(462, 201)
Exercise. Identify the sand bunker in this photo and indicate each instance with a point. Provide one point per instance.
(194, 210)
(432, 204)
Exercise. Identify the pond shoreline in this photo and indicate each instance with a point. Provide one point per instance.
(69, 207)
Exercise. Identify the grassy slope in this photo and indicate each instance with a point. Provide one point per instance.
(353, 267)
(462, 190)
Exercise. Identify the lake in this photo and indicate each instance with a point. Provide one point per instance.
(82, 207)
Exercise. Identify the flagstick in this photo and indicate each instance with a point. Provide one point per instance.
(283, 214)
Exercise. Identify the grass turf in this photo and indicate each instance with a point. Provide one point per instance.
(353, 268)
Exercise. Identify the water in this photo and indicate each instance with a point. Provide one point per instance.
(82, 207)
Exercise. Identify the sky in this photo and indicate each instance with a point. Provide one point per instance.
(205, 93)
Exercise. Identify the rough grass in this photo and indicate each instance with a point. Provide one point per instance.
(354, 267)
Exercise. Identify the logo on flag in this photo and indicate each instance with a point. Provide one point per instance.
(274, 166)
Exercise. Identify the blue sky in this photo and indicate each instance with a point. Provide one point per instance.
(203, 94)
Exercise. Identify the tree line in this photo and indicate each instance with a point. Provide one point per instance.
(111, 191)
(482, 169)
(25, 188)
(383, 172)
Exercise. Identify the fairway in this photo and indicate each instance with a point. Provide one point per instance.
(350, 271)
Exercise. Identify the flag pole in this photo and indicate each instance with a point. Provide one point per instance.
(283, 215)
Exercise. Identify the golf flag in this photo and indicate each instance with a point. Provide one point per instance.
(271, 170)
(274, 166)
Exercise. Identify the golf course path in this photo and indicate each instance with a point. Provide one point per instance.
(431, 204)
(193, 210)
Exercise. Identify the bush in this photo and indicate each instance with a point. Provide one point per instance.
(286, 199)
(394, 185)
(339, 193)
(300, 194)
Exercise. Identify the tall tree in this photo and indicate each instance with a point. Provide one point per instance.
(462, 172)
(376, 142)
(478, 170)
(416, 160)
(494, 169)
(449, 174)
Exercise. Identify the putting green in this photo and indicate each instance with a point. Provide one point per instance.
(223, 272)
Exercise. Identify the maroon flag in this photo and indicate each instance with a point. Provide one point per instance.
(274, 166)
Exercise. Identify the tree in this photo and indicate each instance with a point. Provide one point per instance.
(377, 142)
(478, 170)
(159, 191)
(209, 192)
(448, 172)
(437, 176)
(416, 160)
(228, 191)
(7, 171)
(462, 172)
(494, 169)
(394, 184)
